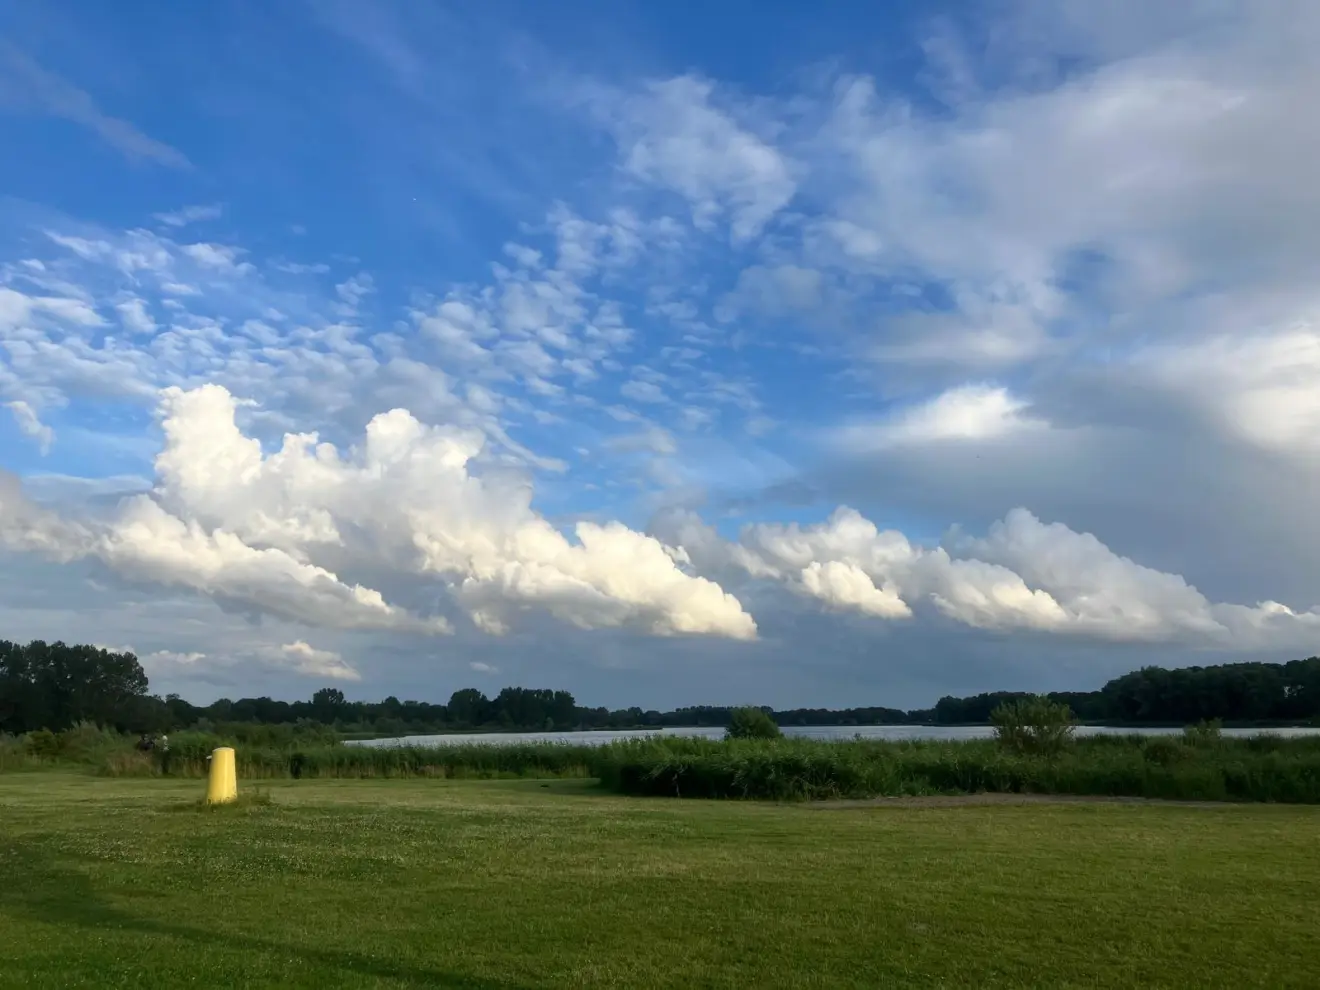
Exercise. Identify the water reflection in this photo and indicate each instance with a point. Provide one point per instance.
(896, 732)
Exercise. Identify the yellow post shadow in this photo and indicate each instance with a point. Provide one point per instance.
(222, 786)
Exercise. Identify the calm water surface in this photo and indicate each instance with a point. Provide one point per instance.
(805, 731)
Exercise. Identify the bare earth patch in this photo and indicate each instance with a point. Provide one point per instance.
(955, 800)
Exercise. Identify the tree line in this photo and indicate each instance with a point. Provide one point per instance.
(1233, 692)
(55, 685)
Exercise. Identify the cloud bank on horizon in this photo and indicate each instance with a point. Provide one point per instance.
(665, 384)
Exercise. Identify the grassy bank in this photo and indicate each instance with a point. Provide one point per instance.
(1265, 768)
(518, 885)
(1262, 768)
(269, 754)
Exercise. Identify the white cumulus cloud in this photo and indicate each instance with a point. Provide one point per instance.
(1024, 574)
(968, 412)
(1263, 388)
(305, 659)
(263, 532)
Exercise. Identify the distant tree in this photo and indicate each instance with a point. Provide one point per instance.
(54, 686)
(562, 710)
(468, 707)
(1301, 688)
(246, 710)
(19, 700)
(1236, 691)
(148, 713)
(181, 713)
(327, 705)
(57, 685)
(533, 708)
(751, 723)
(973, 710)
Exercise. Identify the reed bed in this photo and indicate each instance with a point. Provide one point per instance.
(1264, 768)
(1196, 766)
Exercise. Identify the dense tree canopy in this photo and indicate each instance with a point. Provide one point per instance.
(1243, 691)
(54, 686)
(1235, 692)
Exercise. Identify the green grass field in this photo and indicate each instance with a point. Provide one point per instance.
(512, 884)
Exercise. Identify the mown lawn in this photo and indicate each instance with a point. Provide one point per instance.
(125, 883)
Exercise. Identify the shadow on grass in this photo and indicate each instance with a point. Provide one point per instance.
(39, 886)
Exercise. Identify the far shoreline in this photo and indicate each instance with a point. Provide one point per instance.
(496, 731)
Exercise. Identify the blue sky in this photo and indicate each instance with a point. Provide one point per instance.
(698, 354)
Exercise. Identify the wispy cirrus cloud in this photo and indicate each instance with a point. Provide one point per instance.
(190, 214)
(30, 424)
(27, 87)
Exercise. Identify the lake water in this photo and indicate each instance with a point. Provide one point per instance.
(895, 732)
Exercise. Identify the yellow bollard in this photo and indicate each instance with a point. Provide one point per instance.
(222, 787)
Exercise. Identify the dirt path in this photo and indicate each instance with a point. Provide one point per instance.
(957, 800)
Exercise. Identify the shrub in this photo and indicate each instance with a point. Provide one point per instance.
(193, 747)
(1204, 733)
(282, 736)
(1166, 751)
(44, 744)
(1033, 725)
(15, 754)
(87, 742)
(462, 760)
(131, 763)
(751, 723)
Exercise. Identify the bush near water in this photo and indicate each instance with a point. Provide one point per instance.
(752, 723)
(1034, 725)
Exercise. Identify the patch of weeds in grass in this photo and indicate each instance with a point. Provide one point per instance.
(247, 800)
